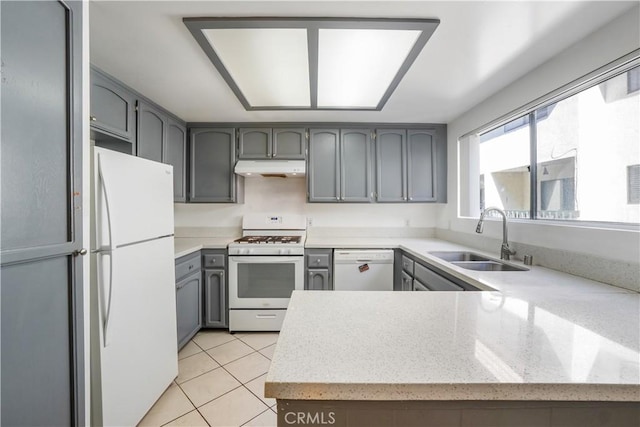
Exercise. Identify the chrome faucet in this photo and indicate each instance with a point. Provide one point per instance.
(505, 251)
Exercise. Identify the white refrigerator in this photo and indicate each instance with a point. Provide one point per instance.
(133, 304)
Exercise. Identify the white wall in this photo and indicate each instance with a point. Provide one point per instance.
(288, 195)
(614, 40)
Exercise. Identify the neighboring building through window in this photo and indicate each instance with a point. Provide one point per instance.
(580, 151)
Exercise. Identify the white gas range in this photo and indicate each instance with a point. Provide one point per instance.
(265, 266)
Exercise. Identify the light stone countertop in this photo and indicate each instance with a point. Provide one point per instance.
(535, 335)
(456, 346)
(187, 245)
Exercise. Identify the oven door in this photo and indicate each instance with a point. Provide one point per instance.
(264, 281)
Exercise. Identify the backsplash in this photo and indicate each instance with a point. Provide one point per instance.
(289, 195)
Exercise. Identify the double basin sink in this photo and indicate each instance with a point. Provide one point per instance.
(473, 261)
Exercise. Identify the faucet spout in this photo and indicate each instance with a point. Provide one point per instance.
(505, 251)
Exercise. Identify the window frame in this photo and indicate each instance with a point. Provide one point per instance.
(528, 114)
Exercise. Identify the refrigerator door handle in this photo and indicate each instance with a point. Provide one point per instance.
(107, 251)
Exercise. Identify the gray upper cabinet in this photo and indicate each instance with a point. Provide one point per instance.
(212, 160)
(355, 165)
(41, 313)
(152, 128)
(176, 155)
(324, 165)
(339, 165)
(289, 143)
(421, 165)
(411, 165)
(254, 143)
(267, 143)
(391, 165)
(112, 107)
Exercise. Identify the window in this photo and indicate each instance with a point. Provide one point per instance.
(568, 160)
(633, 80)
(633, 184)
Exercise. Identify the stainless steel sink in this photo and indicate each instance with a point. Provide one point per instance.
(474, 261)
(454, 256)
(488, 266)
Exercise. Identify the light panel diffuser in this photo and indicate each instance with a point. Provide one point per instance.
(356, 66)
(270, 66)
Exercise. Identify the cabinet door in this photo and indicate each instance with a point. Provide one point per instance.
(41, 297)
(215, 302)
(176, 155)
(355, 165)
(152, 129)
(421, 165)
(289, 144)
(391, 160)
(318, 280)
(407, 281)
(323, 179)
(112, 108)
(434, 281)
(188, 307)
(254, 144)
(419, 286)
(212, 161)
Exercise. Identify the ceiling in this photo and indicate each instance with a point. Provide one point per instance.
(478, 48)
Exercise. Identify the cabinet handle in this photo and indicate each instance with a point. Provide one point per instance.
(191, 266)
(92, 118)
(82, 251)
(410, 198)
(265, 316)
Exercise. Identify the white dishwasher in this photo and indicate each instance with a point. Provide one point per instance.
(363, 270)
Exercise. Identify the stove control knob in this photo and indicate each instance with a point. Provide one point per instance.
(249, 251)
(284, 251)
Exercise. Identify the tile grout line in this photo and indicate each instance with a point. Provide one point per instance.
(261, 413)
(242, 384)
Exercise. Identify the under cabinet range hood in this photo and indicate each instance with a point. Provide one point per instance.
(271, 168)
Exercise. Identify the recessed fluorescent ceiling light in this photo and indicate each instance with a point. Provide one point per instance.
(309, 64)
(269, 65)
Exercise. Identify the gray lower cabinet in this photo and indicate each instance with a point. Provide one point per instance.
(188, 297)
(215, 299)
(407, 282)
(413, 275)
(215, 289)
(175, 154)
(41, 297)
(212, 160)
(188, 307)
(112, 108)
(319, 267)
(340, 165)
(268, 143)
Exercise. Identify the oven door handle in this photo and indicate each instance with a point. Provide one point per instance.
(276, 259)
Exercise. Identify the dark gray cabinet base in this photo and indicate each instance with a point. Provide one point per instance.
(458, 413)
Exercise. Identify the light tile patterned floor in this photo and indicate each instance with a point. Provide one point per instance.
(220, 383)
